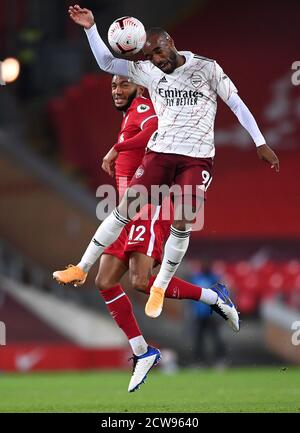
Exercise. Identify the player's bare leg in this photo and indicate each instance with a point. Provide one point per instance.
(140, 270)
(141, 279)
(111, 270)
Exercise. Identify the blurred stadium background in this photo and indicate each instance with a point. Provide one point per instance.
(56, 124)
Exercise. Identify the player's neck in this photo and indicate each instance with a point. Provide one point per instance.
(180, 60)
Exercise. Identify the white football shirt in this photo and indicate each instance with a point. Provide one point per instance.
(185, 102)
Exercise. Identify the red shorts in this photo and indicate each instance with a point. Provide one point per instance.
(145, 236)
(189, 173)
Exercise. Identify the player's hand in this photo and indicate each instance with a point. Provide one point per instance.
(108, 163)
(265, 153)
(82, 17)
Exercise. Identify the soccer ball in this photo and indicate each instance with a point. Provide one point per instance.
(126, 35)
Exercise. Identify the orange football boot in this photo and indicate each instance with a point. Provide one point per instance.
(155, 302)
(71, 275)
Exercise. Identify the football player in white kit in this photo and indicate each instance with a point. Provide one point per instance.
(183, 87)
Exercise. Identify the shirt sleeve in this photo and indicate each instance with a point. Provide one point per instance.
(140, 140)
(221, 83)
(140, 72)
(106, 61)
(246, 119)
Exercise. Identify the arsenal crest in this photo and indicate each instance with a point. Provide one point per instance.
(196, 80)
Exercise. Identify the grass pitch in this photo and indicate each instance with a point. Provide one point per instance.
(235, 390)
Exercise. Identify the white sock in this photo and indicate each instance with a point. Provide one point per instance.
(175, 249)
(138, 345)
(106, 234)
(208, 296)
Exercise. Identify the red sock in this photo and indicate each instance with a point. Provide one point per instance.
(120, 308)
(179, 289)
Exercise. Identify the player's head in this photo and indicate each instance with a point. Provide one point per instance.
(123, 91)
(159, 48)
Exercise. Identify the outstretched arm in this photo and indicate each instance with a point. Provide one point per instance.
(247, 120)
(106, 61)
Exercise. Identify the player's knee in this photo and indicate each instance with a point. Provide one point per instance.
(180, 225)
(102, 282)
(139, 283)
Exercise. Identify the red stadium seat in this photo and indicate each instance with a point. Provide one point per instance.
(252, 284)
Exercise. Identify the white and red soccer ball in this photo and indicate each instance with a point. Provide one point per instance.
(126, 35)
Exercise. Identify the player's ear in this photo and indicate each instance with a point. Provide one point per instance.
(140, 90)
(171, 42)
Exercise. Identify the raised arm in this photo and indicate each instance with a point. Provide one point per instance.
(106, 61)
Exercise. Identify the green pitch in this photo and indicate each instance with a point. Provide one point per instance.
(235, 390)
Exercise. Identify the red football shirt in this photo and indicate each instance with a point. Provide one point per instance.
(139, 123)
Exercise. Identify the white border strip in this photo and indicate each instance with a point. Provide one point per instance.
(152, 238)
(117, 297)
(146, 120)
